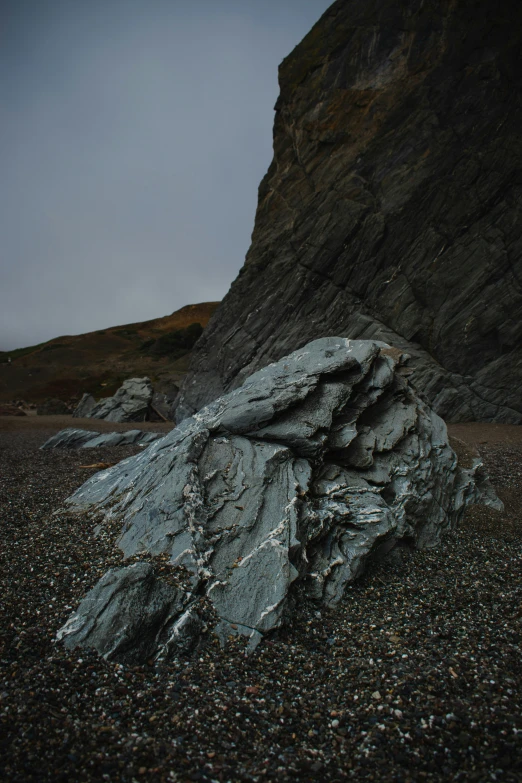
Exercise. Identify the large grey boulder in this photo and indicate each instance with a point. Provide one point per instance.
(297, 476)
(85, 439)
(130, 403)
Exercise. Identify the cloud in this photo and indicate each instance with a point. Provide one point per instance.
(135, 136)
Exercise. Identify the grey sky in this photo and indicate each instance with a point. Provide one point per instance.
(134, 134)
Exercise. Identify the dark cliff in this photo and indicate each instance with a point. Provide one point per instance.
(391, 209)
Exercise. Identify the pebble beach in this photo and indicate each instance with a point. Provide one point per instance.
(415, 676)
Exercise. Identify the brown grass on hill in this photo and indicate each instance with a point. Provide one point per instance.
(98, 362)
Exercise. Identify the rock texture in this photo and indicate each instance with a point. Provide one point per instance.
(391, 209)
(298, 476)
(85, 439)
(130, 403)
(84, 408)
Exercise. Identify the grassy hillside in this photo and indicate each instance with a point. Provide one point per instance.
(97, 362)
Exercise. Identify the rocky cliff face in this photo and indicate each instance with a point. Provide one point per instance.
(391, 210)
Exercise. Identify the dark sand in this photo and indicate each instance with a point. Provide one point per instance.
(53, 424)
(416, 676)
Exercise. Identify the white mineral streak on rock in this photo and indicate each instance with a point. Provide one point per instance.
(300, 474)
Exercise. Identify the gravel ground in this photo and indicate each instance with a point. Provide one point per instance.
(415, 677)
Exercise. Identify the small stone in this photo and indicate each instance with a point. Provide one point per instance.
(376, 695)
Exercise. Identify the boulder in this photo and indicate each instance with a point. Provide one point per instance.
(295, 478)
(391, 209)
(85, 439)
(130, 403)
(85, 407)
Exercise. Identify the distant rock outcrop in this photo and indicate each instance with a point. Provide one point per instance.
(11, 410)
(130, 403)
(135, 400)
(297, 477)
(391, 209)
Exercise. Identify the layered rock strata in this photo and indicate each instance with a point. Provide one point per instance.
(85, 439)
(296, 477)
(391, 209)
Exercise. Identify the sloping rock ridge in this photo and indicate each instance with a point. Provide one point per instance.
(391, 210)
(294, 479)
(71, 438)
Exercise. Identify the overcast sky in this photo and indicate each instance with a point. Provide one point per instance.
(134, 134)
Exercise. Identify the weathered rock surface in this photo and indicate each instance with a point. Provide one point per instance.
(85, 439)
(296, 477)
(84, 408)
(163, 404)
(130, 613)
(130, 403)
(391, 209)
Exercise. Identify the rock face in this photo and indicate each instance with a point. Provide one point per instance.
(11, 410)
(84, 407)
(130, 403)
(294, 478)
(391, 209)
(85, 439)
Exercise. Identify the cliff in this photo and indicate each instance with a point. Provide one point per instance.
(391, 209)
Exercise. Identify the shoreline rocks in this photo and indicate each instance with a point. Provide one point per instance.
(295, 478)
(130, 403)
